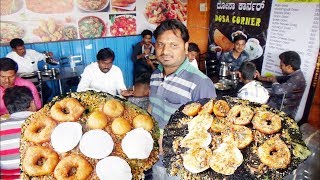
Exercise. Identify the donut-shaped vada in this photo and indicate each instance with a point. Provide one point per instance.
(221, 108)
(192, 109)
(113, 108)
(39, 130)
(68, 109)
(39, 161)
(274, 153)
(73, 167)
(219, 124)
(207, 108)
(240, 134)
(266, 122)
(240, 115)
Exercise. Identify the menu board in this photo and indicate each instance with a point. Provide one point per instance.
(293, 26)
(59, 20)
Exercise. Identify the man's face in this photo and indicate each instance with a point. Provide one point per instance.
(171, 50)
(239, 46)
(285, 68)
(105, 64)
(147, 39)
(192, 55)
(20, 50)
(7, 78)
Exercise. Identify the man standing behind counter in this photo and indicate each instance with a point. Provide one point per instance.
(27, 59)
(103, 75)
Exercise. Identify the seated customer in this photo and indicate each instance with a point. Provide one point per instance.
(140, 50)
(20, 104)
(287, 90)
(102, 75)
(193, 53)
(252, 90)
(141, 91)
(237, 55)
(8, 78)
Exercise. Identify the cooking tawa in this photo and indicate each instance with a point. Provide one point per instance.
(177, 129)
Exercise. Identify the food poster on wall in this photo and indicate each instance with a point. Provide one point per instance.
(294, 26)
(59, 20)
(231, 17)
(151, 13)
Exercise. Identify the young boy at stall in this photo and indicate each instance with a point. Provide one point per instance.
(193, 53)
(252, 90)
(141, 91)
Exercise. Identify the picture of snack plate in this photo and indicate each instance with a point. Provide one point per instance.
(230, 138)
(55, 30)
(88, 135)
(70, 32)
(10, 30)
(49, 6)
(92, 5)
(8, 7)
(157, 11)
(122, 25)
(123, 5)
(91, 27)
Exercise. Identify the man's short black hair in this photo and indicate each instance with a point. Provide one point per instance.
(14, 43)
(174, 25)
(193, 47)
(17, 98)
(146, 32)
(291, 58)
(144, 78)
(248, 70)
(7, 64)
(239, 37)
(104, 54)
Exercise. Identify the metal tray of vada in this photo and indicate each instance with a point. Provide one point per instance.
(230, 138)
(88, 135)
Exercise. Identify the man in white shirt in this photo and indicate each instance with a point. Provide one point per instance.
(193, 53)
(103, 75)
(252, 90)
(27, 59)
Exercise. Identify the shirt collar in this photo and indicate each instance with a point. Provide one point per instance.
(183, 66)
(252, 83)
(295, 72)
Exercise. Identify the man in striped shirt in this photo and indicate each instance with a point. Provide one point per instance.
(20, 104)
(176, 81)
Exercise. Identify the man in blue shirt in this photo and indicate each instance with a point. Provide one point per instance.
(176, 81)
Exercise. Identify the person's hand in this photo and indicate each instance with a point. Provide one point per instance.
(272, 79)
(257, 75)
(122, 3)
(126, 93)
(147, 51)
